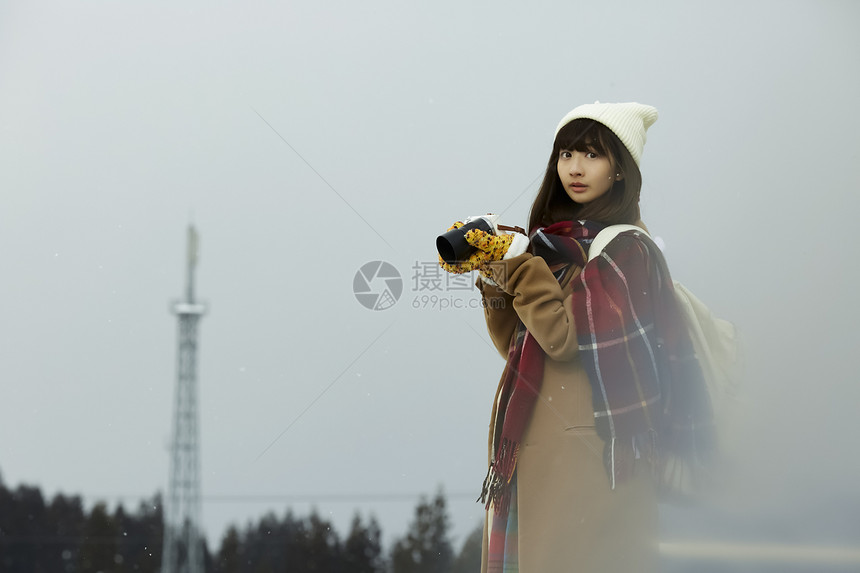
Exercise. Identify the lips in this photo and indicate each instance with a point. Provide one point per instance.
(578, 187)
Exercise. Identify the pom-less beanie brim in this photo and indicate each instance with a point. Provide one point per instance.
(629, 121)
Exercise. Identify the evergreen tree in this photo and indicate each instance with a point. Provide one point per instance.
(322, 546)
(469, 559)
(292, 536)
(426, 547)
(26, 543)
(362, 551)
(141, 537)
(265, 544)
(229, 556)
(66, 518)
(100, 545)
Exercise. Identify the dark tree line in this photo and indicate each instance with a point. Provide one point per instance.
(295, 544)
(41, 536)
(61, 536)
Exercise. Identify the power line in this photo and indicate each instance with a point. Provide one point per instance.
(294, 498)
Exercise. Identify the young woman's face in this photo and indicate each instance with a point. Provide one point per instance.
(586, 175)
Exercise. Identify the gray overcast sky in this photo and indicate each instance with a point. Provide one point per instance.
(122, 122)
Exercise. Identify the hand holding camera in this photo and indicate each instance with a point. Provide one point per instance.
(471, 245)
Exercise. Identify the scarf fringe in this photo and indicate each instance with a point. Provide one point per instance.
(620, 457)
(685, 474)
(496, 490)
(681, 474)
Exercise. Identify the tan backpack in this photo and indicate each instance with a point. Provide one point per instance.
(715, 342)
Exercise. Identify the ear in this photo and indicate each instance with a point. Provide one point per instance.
(619, 176)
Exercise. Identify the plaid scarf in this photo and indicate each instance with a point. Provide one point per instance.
(523, 374)
(648, 390)
(647, 386)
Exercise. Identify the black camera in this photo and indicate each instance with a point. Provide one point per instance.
(452, 246)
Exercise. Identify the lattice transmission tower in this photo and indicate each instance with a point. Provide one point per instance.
(182, 550)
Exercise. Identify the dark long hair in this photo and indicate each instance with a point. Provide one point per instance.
(618, 205)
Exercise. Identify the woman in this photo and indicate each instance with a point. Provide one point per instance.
(600, 381)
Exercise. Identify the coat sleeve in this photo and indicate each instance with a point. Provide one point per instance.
(544, 306)
(500, 315)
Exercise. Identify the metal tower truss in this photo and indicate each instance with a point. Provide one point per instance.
(183, 549)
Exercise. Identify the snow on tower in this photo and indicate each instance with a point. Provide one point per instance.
(182, 551)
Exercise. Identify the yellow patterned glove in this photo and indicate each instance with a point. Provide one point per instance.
(474, 262)
(488, 247)
(492, 247)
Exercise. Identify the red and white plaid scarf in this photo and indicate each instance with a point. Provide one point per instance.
(648, 391)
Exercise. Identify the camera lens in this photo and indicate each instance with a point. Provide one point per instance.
(452, 246)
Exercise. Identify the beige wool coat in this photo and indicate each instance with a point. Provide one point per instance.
(570, 520)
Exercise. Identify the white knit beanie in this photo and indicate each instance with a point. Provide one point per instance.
(628, 121)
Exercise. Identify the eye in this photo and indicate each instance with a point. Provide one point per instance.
(564, 154)
(592, 155)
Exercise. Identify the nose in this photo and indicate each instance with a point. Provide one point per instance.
(575, 165)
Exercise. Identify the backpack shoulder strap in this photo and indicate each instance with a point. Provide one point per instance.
(605, 236)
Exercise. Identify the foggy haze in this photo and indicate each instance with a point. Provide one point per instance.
(304, 140)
